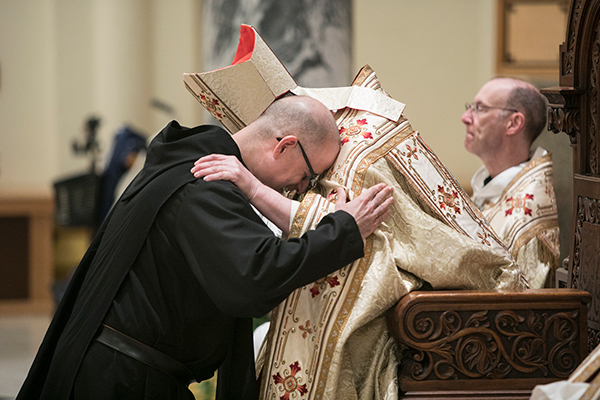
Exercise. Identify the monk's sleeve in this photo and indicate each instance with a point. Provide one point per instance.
(245, 269)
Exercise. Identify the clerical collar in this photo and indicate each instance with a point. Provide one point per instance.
(487, 180)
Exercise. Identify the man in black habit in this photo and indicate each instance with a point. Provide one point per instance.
(165, 293)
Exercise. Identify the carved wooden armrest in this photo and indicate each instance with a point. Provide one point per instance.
(482, 342)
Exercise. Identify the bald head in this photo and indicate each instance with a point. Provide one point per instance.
(302, 116)
(294, 139)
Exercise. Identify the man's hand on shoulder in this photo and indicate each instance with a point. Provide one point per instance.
(269, 202)
(215, 167)
(369, 209)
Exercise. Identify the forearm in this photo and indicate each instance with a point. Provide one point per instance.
(246, 260)
(273, 206)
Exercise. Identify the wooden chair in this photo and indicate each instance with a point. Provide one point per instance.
(574, 109)
(500, 344)
(488, 344)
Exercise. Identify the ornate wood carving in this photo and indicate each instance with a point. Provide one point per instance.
(493, 344)
(585, 270)
(564, 120)
(566, 67)
(563, 110)
(593, 101)
(593, 339)
(488, 340)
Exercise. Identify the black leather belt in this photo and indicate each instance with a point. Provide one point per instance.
(124, 344)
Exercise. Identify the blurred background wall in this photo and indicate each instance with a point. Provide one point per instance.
(64, 61)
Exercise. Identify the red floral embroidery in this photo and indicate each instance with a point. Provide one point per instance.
(483, 238)
(306, 329)
(518, 203)
(331, 280)
(355, 128)
(412, 152)
(211, 105)
(290, 382)
(448, 200)
(314, 291)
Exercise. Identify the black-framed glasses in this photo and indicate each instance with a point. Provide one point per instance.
(476, 108)
(313, 175)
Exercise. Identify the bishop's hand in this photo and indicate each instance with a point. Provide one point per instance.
(369, 209)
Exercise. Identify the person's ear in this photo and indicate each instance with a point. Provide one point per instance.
(284, 144)
(515, 123)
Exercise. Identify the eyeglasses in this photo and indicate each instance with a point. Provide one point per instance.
(312, 175)
(476, 108)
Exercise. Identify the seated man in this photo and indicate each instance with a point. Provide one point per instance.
(165, 294)
(514, 187)
(329, 338)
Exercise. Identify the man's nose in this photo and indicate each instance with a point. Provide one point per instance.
(467, 117)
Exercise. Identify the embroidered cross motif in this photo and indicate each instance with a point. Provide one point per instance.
(290, 383)
(321, 283)
(518, 203)
(355, 128)
(448, 200)
(411, 152)
(211, 105)
(483, 238)
(306, 329)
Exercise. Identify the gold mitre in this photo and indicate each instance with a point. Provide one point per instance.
(238, 94)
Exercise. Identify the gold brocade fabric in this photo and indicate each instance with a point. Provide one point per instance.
(526, 219)
(237, 94)
(328, 339)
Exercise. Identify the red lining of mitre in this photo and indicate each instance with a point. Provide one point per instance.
(246, 45)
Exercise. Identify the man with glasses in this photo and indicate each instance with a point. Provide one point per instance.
(329, 338)
(514, 187)
(165, 294)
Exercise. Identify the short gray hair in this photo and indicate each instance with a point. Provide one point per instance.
(527, 99)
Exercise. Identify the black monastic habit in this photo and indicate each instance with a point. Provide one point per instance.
(181, 265)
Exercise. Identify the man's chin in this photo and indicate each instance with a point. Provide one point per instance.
(468, 143)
